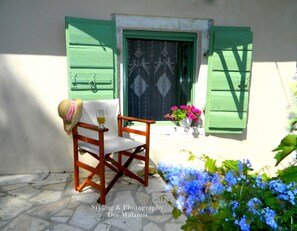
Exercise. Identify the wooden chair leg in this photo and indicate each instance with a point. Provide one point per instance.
(86, 182)
(102, 198)
(120, 158)
(76, 171)
(146, 166)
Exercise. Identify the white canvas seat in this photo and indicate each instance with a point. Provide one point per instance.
(111, 144)
(102, 142)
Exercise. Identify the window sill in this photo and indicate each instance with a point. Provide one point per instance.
(173, 130)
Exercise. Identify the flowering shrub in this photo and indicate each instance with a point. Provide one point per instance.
(182, 112)
(230, 197)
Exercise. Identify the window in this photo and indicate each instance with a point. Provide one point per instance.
(158, 72)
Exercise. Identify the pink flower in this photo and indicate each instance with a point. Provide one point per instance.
(178, 113)
(192, 116)
(197, 111)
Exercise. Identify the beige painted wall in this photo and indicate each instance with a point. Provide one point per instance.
(33, 77)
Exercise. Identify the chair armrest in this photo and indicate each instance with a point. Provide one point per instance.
(91, 127)
(136, 119)
(89, 139)
(122, 129)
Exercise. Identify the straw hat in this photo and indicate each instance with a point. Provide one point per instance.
(70, 111)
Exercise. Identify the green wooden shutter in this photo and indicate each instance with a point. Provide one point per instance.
(91, 58)
(229, 71)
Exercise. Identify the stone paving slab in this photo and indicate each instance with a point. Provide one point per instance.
(44, 201)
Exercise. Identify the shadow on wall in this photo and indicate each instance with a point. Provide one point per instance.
(34, 28)
(238, 137)
(29, 140)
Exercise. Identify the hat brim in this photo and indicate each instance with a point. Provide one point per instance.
(68, 125)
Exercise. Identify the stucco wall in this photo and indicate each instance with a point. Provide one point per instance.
(33, 77)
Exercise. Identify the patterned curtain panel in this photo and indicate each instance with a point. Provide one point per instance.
(152, 78)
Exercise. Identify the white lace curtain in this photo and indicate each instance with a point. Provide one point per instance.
(152, 77)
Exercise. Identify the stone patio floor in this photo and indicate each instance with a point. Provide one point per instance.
(43, 201)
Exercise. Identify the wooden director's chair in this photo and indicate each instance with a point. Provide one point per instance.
(105, 143)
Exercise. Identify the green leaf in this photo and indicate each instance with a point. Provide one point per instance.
(288, 140)
(191, 158)
(201, 222)
(289, 174)
(231, 164)
(176, 213)
(210, 164)
(287, 145)
(283, 154)
(191, 224)
(293, 124)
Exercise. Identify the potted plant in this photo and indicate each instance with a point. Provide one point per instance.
(184, 115)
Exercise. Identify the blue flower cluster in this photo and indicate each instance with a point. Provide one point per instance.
(253, 206)
(259, 183)
(190, 185)
(269, 217)
(203, 192)
(243, 223)
(195, 188)
(266, 215)
(285, 192)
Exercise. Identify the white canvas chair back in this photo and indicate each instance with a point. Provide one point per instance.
(112, 142)
(112, 111)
